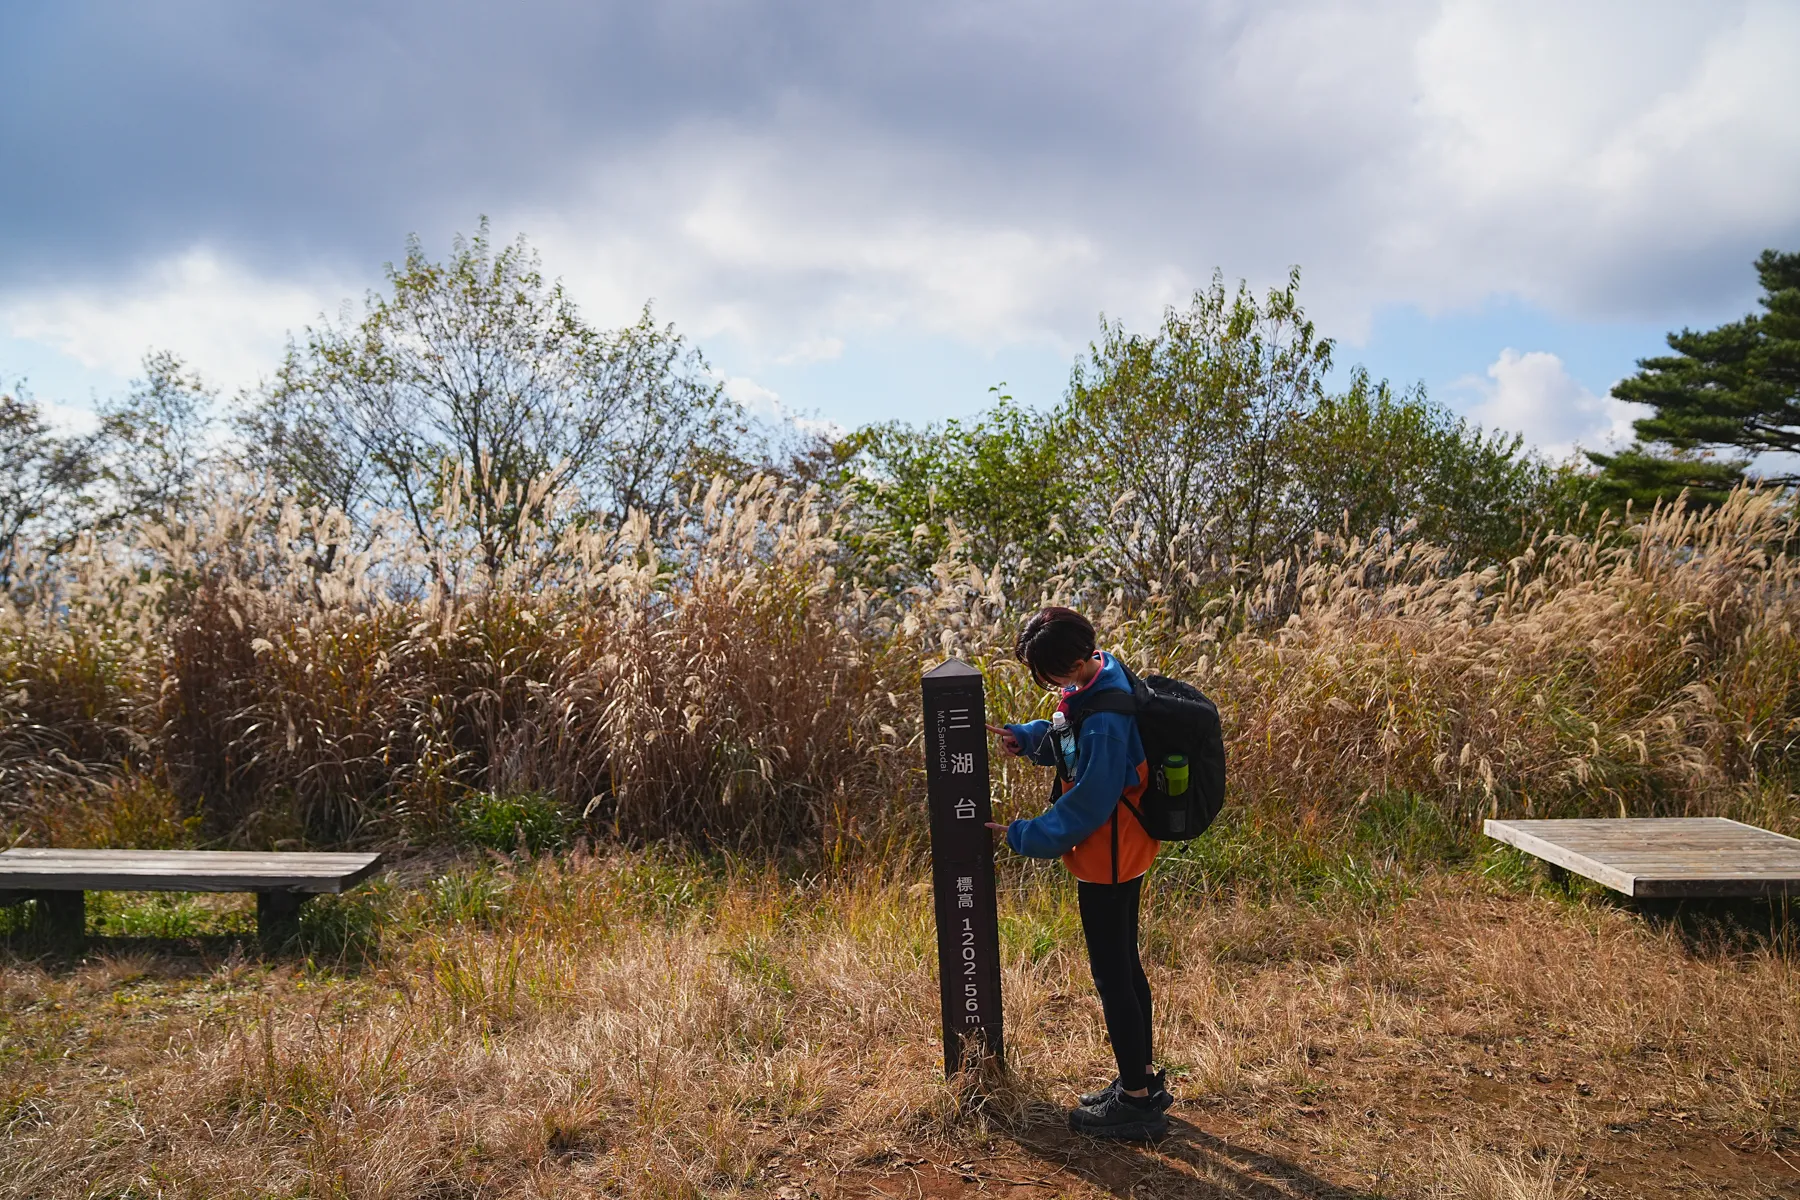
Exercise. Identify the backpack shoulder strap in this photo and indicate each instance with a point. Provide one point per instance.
(1114, 702)
(1128, 703)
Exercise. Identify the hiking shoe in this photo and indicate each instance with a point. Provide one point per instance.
(1122, 1117)
(1160, 1097)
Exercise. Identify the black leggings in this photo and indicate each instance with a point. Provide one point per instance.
(1109, 922)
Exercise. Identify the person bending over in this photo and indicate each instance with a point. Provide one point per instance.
(1100, 761)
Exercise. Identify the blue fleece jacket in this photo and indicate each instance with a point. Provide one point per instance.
(1107, 753)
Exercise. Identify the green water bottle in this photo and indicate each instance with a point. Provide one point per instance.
(1175, 774)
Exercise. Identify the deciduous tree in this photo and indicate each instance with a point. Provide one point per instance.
(1372, 461)
(153, 446)
(44, 479)
(478, 373)
(1187, 436)
(1006, 483)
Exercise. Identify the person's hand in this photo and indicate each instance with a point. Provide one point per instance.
(996, 825)
(1008, 742)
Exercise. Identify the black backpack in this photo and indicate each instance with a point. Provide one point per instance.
(1174, 720)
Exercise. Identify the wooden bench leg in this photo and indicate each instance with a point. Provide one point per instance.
(62, 916)
(278, 917)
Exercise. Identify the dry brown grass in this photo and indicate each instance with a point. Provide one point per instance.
(1648, 673)
(722, 684)
(714, 684)
(629, 1026)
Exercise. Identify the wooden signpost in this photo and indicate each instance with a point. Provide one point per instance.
(962, 864)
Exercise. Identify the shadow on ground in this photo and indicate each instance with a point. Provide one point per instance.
(1709, 928)
(194, 955)
(1188, 1163)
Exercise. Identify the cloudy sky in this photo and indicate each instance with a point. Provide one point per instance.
(863, 211)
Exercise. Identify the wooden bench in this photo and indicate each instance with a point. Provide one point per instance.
(1663, 856)
(59, 879)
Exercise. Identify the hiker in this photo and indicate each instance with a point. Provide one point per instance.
(1103, 844)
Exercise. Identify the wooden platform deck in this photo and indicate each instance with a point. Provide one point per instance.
(1664, 856)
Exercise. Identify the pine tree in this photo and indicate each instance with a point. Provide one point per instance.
(1734, 388)
(1644, 476)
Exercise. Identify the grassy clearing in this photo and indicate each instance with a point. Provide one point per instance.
(1357, 996)
(642, 1025)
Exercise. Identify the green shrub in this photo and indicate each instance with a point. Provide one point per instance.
(465, 898)
(344, 927)
(531, 822)
(1246, 854)
(658, 885)
(158, 915)
(1403, 829)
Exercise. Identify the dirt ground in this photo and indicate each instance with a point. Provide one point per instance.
(565, 1036)
(1461, 1106)
(1210, 1155)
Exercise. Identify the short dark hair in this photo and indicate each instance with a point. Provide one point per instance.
(1055, 642)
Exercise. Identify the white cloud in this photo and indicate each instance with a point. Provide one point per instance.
(994, 174)
(818, 349)
(1533, 394)
(753, 396)
(819, 425)
(68, 419)
(794, 241)
(1591, 157)
(226, 321)
(1599, 160)
(765, 403)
